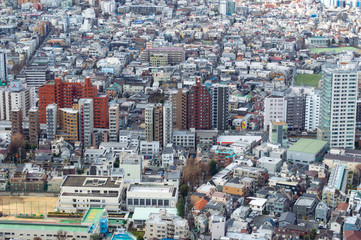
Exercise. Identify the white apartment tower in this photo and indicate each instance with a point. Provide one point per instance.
(3, 67)
(339, 88)
(275, 109)
(51, 121)
(312, 111)
(114, 122)
(86, 120)
(14, 96)
(167, 123)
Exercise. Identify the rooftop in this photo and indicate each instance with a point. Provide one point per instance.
(308, 146)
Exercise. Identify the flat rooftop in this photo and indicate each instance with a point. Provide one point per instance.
(93, 215)
(23, 226)
(308, 146)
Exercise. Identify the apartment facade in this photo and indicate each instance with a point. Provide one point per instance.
(86, 124)
(339, 88)
(113, 122)
(199, 108)
(219, 107)
(65, 94)
(16, 121)
(34, 126)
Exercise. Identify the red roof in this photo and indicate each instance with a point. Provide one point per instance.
(200, 204)
(342, 206)
(352, 235)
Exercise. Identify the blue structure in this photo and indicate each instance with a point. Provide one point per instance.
(103, 225)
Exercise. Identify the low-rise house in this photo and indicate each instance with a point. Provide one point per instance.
(258, 204)
(286, 218)
(336, 224)
(352, 224)
(305, 207)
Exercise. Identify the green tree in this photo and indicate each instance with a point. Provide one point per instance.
(95, 236)
(180, 207)
(184, 190)
(213, 168)
(140, 238)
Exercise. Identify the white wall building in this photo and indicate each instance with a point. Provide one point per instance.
(312, 111)
(156, 195)
(78, 193)
(113, 122)
(86, 120)
(275, 108)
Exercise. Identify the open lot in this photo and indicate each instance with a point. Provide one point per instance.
(16, 205)
(310, 80)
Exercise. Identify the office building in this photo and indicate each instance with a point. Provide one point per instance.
(68, 125)
(86, 121)
(219, 107)
(179, 111)
(167, 123)
(16, 121)
(65, 94)
(3, 65)
(278, 133)
(199, 109)
(34, 126)
(36, 76)
(114, 122)
(339, 88)
(51, 121)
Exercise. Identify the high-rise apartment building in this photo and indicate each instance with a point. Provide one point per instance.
(199, 109)
(158, 124)
(339, 88)
(149, 122)
(295, 113)
(65, 94)
(275, 109)
(312, 111)
(167, 123)
(51, 120)
(16, 121)
(114, 122)
(34, 126)
(3, 65)
(154, 123)
(68, 124)
(179, 111)
(219, 106)
(86, 121)
(14, 96)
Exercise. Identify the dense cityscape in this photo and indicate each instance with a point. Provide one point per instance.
(180, 119)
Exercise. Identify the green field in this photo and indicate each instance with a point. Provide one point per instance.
(310, 80)
(337, 49)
